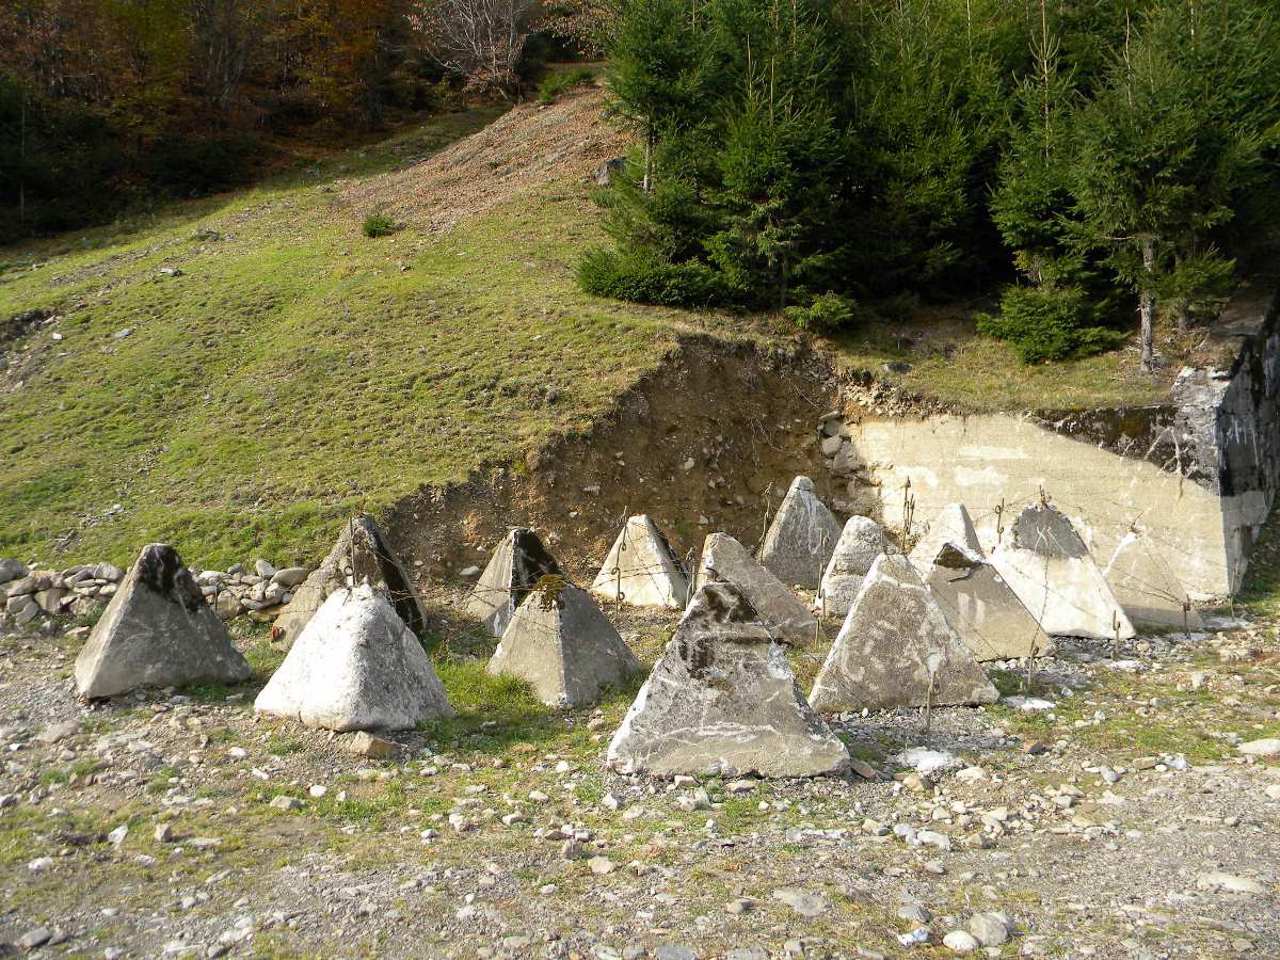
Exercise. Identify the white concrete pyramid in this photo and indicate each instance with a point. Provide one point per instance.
(561, 643)
(1054, 575)
(641, 569)
(1146, 586)
(861, 541)
(518, 563)
(725, 560)
(801, 538)
(722, 699)
(355, 666)
(952, 525)
(895, 646)
(157, 631)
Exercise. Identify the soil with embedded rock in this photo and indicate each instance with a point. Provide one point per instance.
(1120, 821)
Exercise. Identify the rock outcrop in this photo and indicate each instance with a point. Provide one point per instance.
(355, 666)
(1054, 575)
(361, 555)
(725, 560)
(519, 562)
(981, 607)
(561, 643)
(861, 541)
(801, 538)
(1147, 586)
(722, 699)
(641, 569)
(157, 631)
(896, 649)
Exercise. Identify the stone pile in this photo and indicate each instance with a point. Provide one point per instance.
(261, 591)
(74, 591)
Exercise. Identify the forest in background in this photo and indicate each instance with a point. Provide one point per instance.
(1087, 159)
(106, 105)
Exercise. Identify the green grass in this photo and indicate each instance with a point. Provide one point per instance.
(556, 83)
(295, 371)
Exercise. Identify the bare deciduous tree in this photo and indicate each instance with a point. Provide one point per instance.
(480, 39)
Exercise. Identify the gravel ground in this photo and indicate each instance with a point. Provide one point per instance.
(1122, 822)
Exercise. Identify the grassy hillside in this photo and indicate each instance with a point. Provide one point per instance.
(282, 369)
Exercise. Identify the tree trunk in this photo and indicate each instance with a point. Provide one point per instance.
(1146, 305)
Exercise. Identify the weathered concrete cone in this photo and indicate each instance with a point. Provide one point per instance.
(982, 608)
(1054, 575)
(801, 538)
(519, 562)
(861, 541)
(157, 631)
(722, 699)
(356, 666)
(895, 647)
(952, 525)
(1146, 586)
(361, 555)
(641, 569)
(561, 643)
(725, 560)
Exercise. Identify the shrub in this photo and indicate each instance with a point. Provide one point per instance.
(379, 225)
(1048, 323)
(554, 84)
(827, 313)
(606, 273)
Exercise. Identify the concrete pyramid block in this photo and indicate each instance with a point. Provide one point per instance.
(519, 562)
(722, 699)
(861, 541)
(894, 646)
(356, 666)
(157, 631)
(725, 560)
(801, 538)
(952, 525)
(562, 644)
(1146, 585)
(1054, 575)
(361, 555)
(641, 569)
(982, 608)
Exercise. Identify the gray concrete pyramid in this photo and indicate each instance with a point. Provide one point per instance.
(725, 560)
(157, 631)
(861, 541)
(641, 569)
(562, 644)
(1146, 585)
(801, 538)
(982, 608)
(952, 525)
(356, 666)
(361, 555)
(1054, 575)
(894, 646)
(722, 699)
(519, 562)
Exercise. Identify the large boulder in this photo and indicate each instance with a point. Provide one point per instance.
(896, 649)
(157, 631)
(1147, 586)
(356, 666)
(518, 563)
(361, 555)
(801, 538)
(1054, 575)
(725, 560)
(952, 525)
(861, 541)
(982, 608)
(722, 699)
(641, 569)
(11, 570)
(562, 644)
